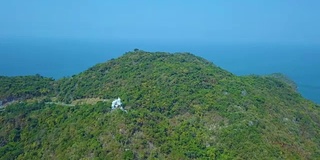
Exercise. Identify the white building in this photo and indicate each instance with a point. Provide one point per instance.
(117, 104)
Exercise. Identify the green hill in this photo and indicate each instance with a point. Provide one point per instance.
(24, 87)
(180, 106)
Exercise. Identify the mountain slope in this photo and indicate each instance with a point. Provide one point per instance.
(24, 87)
(141, 78)
(179, 107)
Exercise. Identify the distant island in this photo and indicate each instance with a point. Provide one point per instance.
(177, 106)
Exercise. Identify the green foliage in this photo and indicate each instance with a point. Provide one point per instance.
(24, 87)
(179, 107)
(284, 79)
(141, 78)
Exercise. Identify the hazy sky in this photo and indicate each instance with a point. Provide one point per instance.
(203, 21)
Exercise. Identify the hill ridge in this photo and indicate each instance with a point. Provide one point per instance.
(180, 106)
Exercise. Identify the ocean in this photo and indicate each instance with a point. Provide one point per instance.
(63, 58)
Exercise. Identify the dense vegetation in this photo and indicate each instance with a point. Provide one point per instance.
(179, 107)
(24, 87)
(284, 78)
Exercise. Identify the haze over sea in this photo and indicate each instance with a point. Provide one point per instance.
(63, 58)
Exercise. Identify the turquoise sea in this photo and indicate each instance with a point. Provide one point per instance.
(60, 58)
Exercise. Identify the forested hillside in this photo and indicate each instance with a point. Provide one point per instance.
(24, 87)
(180, 106)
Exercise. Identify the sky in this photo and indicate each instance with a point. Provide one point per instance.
(166, 21)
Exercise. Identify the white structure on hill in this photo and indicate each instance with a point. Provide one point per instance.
(117, 104)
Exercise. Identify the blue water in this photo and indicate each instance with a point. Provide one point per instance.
(60, 58)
